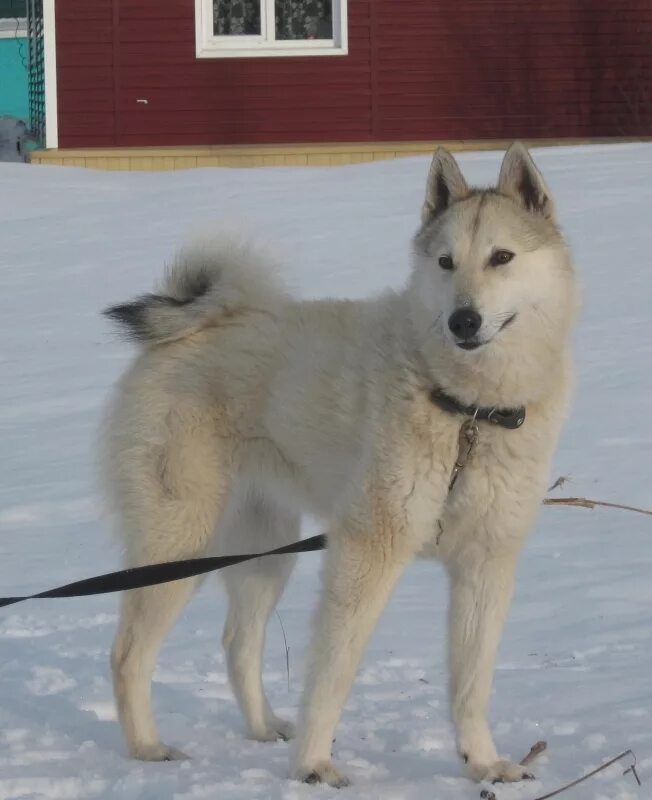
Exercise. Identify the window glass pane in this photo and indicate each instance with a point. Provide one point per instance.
(304, 19)
(13, 8)
(236, 17)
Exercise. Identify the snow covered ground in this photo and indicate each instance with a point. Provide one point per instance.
(576, 660)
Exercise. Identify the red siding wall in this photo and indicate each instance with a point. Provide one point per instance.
(85, 74)
(416, 69)
(512, 68)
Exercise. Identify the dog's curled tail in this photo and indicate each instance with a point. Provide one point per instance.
(210, 280)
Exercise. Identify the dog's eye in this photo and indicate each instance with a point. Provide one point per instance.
(446, 262)
(500, 257)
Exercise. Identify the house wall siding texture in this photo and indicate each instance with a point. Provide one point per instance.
(416, 70)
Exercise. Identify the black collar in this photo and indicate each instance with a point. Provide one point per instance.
(510, 418)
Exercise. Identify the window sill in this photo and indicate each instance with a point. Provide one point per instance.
(11, 28)
(277, 51)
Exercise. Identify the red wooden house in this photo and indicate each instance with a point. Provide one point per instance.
(147, 73)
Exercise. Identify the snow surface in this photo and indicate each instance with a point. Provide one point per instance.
(575, 663)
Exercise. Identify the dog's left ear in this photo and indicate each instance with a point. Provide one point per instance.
(520, 179)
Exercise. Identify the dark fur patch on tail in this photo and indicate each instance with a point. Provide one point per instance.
(194, 284)
(134, 316)
(145, 319)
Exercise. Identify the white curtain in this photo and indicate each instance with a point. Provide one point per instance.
(304, 19)
(236, 17)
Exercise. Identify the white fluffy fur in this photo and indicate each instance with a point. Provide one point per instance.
(257, 407)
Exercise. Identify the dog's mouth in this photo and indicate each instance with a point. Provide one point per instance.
(474, 344)
(507, 322)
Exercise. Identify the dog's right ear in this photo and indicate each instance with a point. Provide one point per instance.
(445, 185)
(521, 180)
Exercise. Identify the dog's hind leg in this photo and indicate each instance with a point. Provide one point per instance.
(169, 513)
(254, 589)
(146, 617)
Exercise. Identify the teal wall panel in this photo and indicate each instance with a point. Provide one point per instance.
(13, 78)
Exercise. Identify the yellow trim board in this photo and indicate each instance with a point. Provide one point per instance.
(270, 155)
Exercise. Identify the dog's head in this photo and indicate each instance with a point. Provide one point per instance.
(492, 277)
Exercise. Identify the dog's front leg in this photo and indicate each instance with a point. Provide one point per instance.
(481, 591)
(361, 571)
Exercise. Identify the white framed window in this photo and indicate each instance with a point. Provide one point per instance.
(12, 19)
(255, 28)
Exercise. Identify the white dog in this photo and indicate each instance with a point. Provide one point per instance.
(246, 407)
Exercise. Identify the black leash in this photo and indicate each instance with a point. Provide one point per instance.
(153, 574)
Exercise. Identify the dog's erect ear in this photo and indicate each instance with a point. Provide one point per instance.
(520, 179)
(445, 185)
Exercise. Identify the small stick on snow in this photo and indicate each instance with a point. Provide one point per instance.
(561, 481)
(287, 649)
(632, 769)
(591, 774)
(535, 751)
(584, 502)
(486, 794)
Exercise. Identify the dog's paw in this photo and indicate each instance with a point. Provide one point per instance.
(501, 771)
(274, 730)
(158, 752)
(323, 772)
(284, 729)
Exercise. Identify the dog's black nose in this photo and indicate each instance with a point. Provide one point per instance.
(465, 323)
